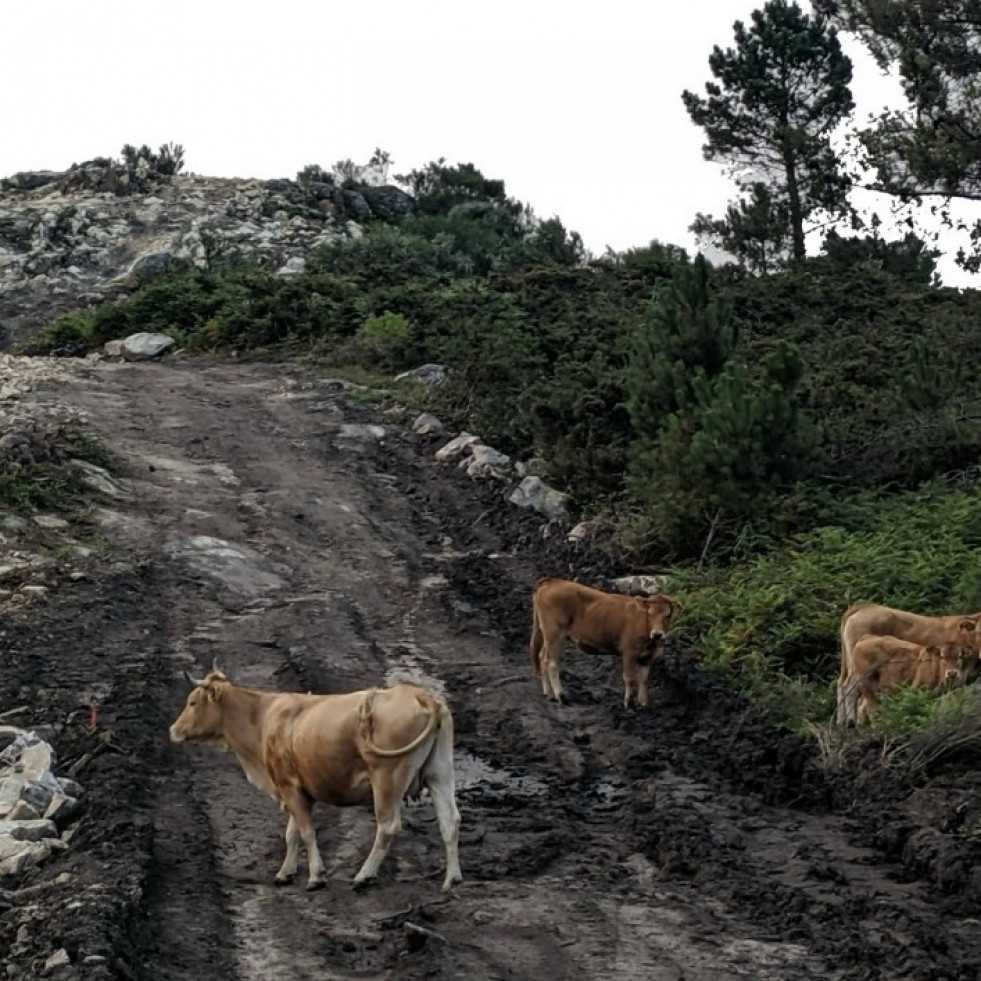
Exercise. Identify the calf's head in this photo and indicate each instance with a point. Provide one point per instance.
(202, 718)
(960, 663)
(658, 612)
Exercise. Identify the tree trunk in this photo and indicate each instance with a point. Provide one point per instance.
(796, 213)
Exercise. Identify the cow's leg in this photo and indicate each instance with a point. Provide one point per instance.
(388, 789)
(287, 871)
(551, 661)
(442, 788)
(643, 673)
(301, 814)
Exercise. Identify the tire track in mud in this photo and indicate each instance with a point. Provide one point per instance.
(595, 843)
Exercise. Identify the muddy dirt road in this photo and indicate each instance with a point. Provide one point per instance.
(691, 842)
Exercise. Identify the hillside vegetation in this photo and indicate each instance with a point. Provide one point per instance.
(786, 444)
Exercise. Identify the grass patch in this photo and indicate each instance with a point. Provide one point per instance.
(41, 475)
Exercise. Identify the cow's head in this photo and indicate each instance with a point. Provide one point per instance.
(970, 627)
(201, 720)
(659, 612)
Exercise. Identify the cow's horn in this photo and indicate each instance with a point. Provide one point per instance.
(195, 682)
(215, 669)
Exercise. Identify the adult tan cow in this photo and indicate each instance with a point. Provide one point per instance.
(632, 627)
(377, 746)
(867, 619)
(884, 663)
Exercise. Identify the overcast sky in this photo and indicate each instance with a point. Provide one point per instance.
(577, 107)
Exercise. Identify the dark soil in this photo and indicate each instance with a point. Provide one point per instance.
(691, 840)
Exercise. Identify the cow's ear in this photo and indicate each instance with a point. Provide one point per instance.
(215, 691)
(969, 625)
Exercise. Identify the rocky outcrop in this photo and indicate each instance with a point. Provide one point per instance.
(35, 805)
(70, 239)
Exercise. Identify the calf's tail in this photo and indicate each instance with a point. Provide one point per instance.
(537, 641)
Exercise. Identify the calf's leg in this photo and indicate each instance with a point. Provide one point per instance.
(551, 660)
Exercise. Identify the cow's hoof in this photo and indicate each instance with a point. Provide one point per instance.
(285, 880)
(359, 885)
(314, 884)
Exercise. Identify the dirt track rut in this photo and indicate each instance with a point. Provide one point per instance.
(596, 843)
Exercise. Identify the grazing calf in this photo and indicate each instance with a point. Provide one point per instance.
(870, 619)
(375, 746)
(882, 664)
(631, 627)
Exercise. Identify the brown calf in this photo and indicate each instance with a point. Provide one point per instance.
(631, 627)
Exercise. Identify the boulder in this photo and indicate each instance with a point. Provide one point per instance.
(485, 462)
(638, 585)
(534, 493)
(427, 425)
(144, 345)
(388, 202)
(359, 436)
(457, 447)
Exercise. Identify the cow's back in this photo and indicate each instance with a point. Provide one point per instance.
(595, 620)
(891, 659)
(873, 619)
(311, 742)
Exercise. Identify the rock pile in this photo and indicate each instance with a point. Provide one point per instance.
(70, 239)
(36, 807)
(472, 455)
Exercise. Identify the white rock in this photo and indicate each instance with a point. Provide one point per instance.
(359, 436)
(485, 462)
(426, 374)
(456, 447)
(97, 478)
(16, 856)
(639, 584)
(426, 424)
(50, 521)
(144, 345)
(534, 493)
(57, 960)
(293, 266)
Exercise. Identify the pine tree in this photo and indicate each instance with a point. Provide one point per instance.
(780, 93)
(714, 442)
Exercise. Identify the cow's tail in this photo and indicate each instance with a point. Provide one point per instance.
(846, 701)
(442, 750)
(366, 726)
